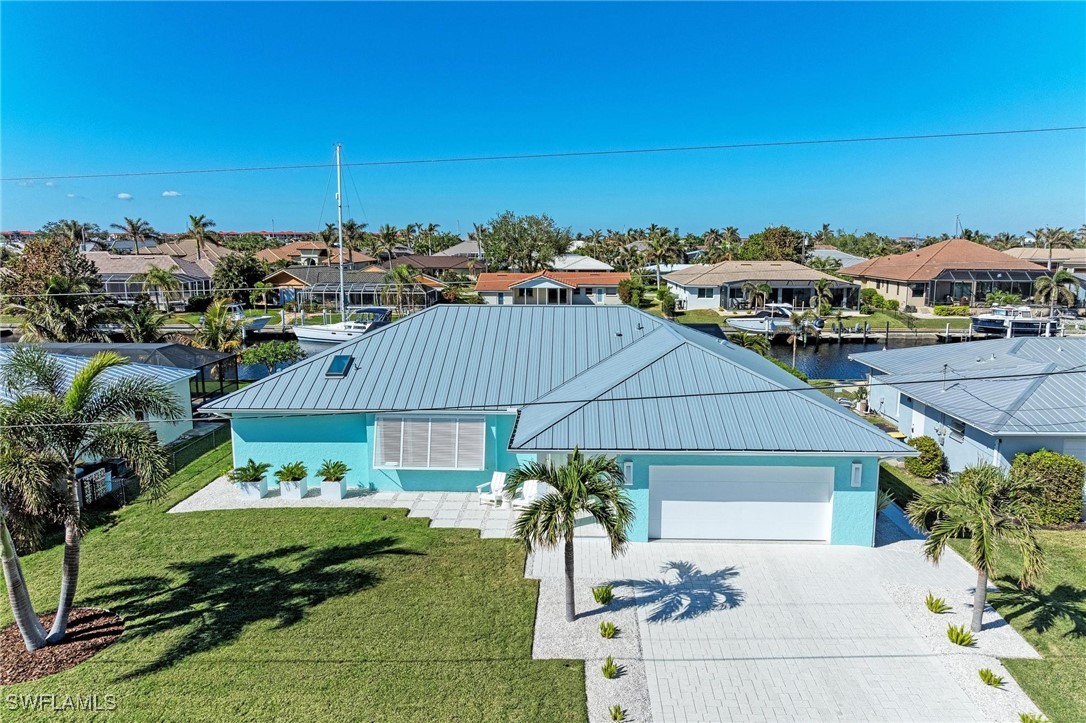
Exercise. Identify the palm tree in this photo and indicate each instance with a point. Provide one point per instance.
(732, 238)
(823, 293)
(987, 505)
(662, 248)
(261, 290)
(592, 485)
(1054, 238)
(755, 342)
(76, 232)
(352, 235)
(92, 416)
(160, 282)
(1003, 241)
(400, 277)
(143, 324)
(136, 229)
(69, 312)
(1053, 289)
(798, 321)
(218, 329)
(388, 237)
(199, 230)
(822, 236)
(757, 293)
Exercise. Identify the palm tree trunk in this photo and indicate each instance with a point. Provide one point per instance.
(980, 595)
(657, 273)
(22, 609)
(794, 350)
(69, 573)
(571, 608)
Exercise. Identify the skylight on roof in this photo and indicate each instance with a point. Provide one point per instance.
(339, 365)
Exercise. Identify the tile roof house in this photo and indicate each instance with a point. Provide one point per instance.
(1074, 260)
(442, 399)
(208, 256)
(825, 251)
(720, 286)
(955, 271)
(434, 265)
(116, 272)
(468, 249)
(986, 401)
(504, 288)
(576, 262)
(312, 253)
(362, 287)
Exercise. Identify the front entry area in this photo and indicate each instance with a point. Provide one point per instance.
(740, 503)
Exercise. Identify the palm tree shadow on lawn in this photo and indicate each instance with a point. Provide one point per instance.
(217, 598)
(690, 594)
(1043, 609)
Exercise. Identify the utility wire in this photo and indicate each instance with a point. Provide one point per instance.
(561, 154)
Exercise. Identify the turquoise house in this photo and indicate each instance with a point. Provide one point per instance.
(715, 442)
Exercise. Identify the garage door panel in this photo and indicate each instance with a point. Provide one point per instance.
(741, 503)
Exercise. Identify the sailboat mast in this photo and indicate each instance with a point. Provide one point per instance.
(339, 215)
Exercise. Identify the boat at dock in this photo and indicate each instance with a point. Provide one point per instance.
(773, 319)
(357, 321)
(1010, 321)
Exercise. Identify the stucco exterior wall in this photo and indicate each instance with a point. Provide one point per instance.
(169, 431)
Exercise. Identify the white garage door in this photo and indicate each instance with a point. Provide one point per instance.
(741, 503)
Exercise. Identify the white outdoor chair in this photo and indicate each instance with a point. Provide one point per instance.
(531, 491)
(492, 493)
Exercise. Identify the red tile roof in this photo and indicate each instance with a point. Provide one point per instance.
(505, 280)
(927, 263)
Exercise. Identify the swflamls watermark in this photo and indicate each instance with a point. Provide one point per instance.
(58, 702)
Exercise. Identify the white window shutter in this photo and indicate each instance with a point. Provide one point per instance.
(443, 442)
(416, 442)
(389, 438)
(471, 443)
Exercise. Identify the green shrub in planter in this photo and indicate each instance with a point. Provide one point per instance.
(291, 472)
(1055, 485)
(931, 460)
(249, 472)
(332, 471)
(951, 310)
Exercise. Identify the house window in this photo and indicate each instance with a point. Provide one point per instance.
(706, 293)
(917, 289)
(956, 427)
(501, 298)
(588, 291)
(411, 442)
(521, 293)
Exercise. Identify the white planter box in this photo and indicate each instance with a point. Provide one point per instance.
(294, 490)
(334, 490)
(253, 490)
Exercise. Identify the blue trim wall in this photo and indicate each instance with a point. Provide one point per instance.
(349, 437)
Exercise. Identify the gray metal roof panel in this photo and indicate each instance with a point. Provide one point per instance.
(73, 364)
(594, 373)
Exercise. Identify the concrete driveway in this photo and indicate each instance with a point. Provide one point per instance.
(787, 632)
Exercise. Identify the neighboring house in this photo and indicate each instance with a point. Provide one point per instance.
(714, 441)
(822, 251)
(320, 285)
(665, 268)
(311, 253)
(435, 265)
(720, 286)
(116, 272)
(576, 262)
(955, 271)
(214, 373)
(505, 288)
(468, 249)
(176, 379)
(1073, 260)
(985, 401)
(208, 258)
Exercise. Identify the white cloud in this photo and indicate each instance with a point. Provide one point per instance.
(50, 184)
(26, 184)
(170, 194)
(124, 196)
(72, 195)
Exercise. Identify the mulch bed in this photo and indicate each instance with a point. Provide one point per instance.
(90, 631)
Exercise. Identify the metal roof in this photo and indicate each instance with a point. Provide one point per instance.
(1002, 386)
(72, 364)
(180, 356)
(600, 377)
(735, 272)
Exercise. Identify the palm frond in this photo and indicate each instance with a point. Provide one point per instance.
(137, 444)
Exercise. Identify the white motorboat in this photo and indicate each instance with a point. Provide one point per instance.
(773, 319)
(357, 321)
(252, 323)
(1010, 321)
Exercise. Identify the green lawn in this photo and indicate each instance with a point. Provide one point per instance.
(314, 614)
(193, 317)
(1052, 617)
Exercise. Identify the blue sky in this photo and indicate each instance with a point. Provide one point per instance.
(96, 87)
